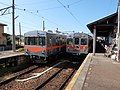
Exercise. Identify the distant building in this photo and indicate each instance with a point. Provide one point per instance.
(3, 40)
(19, 40)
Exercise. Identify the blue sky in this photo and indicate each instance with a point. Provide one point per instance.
(33, 12)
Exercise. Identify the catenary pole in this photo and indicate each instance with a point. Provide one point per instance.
(13, 26)
(20, 32)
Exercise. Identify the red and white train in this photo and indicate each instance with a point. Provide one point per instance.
(42, 45)
(78, 43)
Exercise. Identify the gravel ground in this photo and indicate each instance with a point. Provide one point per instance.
(52, 85)
(30, 84)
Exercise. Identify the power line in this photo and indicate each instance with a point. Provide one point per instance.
(6, 14)
(20, 21)
(25, 10)
(68, 11)
(68, 5)
(50, 8)
(65, 6)
(17, 25)
(34, 13)
(75, 3)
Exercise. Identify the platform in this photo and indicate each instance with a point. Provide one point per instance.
(96, 73)
(7, 54)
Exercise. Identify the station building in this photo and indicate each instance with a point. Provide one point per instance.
(3, 40)
(106, 29)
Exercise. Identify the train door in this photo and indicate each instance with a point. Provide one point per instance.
(84, 45)
(49, 44)
(76, 45)
(69, 46)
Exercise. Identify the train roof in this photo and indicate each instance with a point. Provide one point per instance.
(35, 33)
(39, 33)
(81, 34)
(78, 35)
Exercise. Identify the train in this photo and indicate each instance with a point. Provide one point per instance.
(42, 45)
(78, 43)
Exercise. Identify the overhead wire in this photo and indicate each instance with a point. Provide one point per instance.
(69, 11)
(31, 13)
(75, 2)
(40, 16)
(65, 6)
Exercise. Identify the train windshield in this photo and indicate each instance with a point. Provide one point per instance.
(41, 41)
(76, 40)
(35, 41)
(83, 41)
(69, 41)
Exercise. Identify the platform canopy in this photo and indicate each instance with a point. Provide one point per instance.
(104, 26)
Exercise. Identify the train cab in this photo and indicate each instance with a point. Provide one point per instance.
(42, 45)
(78, 44)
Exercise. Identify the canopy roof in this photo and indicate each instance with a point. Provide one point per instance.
(104, 26)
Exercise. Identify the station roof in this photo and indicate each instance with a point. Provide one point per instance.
(105, 25)
(1, 24)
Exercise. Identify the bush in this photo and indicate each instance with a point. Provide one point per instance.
(20, 50)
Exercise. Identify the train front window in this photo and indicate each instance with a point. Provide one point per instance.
(69, 41)
(84, 41)
(35, 41)
(76, 40)
(30, 41)
(41, 41)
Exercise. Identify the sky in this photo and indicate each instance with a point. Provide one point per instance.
(66, 15)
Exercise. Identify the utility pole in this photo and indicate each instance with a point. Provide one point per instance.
(43, 25)
(20, 32)
(13, 26)
(118, 32)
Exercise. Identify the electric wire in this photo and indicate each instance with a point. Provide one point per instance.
(69, 11)
(40, 16)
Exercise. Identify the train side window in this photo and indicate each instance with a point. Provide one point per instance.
(76, 40)
(84, 41)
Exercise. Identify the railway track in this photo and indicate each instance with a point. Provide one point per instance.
(15, 75)
(58, 80)
(43, 77)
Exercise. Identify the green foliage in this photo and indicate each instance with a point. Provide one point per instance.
(20, 50)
